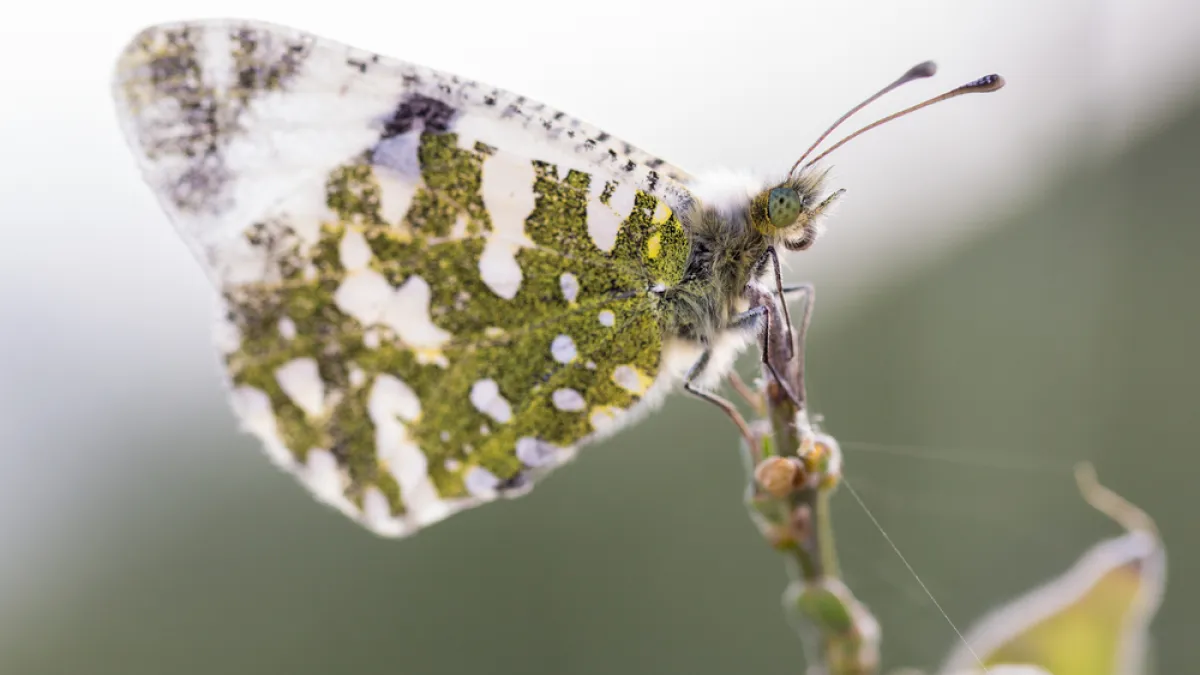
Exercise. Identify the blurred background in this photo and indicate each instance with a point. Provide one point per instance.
(1008, 288)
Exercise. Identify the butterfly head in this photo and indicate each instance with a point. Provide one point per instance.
(789, 212)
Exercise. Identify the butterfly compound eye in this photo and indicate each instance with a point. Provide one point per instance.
(783, 206)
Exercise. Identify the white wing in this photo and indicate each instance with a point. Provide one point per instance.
(384, 236)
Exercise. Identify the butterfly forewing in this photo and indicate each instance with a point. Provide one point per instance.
(433, 290)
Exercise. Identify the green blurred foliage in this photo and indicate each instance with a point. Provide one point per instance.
(1091, 619)
(1067, 333)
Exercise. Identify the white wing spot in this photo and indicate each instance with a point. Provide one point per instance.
(395, 197)
(394, 395)
(563, 349)
(253, 406)
(534, 453)
(460, 228)
(662, 213)
(622, 200)
(480, 482)
(377, 514)
(399, 154)
(498, 268)
(287, 328)
(602, 223)
(301, 381)
(631, 380)
(388, 404)
(323, 476)
(568, 400)
(353, 250)
(485, 396)
(607, 318)
(569, 285)
(370, 299)
(604, 220)
(410, 317)
(507, 192)
(603, 418)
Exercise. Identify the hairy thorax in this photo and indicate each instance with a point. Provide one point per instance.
(724, 249)
(724, 257)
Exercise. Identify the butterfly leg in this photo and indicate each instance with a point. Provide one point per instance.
(771, 255)
(809, 292)
(754, 398)
(759, 318)
(806, 289)
(689, 386)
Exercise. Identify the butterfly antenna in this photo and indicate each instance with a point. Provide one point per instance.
(985, 84)
(919, 71)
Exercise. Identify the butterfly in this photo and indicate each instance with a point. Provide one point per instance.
(434, 291)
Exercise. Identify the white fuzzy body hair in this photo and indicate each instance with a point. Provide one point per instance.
(726, 191)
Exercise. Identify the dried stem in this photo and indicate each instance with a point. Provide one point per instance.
(795, 469)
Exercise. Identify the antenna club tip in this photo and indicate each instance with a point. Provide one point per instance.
(923, 69)
(986, 83)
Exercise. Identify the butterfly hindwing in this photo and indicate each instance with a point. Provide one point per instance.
(428, 302)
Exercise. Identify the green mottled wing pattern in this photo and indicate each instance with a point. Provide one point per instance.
(428, 305)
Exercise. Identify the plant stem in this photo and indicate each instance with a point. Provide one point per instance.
(795, 470)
